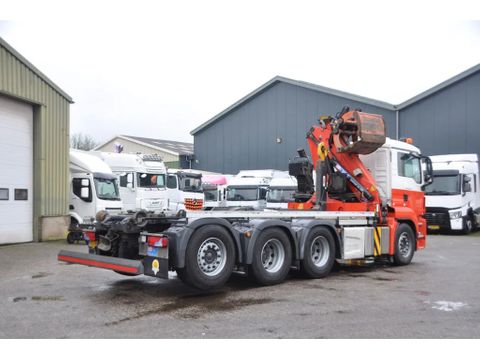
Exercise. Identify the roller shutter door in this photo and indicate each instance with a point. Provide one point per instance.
(16, 171)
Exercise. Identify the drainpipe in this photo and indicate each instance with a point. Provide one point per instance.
(397, 124)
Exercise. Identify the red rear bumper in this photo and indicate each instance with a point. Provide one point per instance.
(133, 267)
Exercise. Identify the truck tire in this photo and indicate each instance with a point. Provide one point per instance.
(404, 245)
(467, 225)
(319, 256)
(209, 259)
(272, 257)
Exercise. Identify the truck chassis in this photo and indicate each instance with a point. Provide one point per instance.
(205, 247)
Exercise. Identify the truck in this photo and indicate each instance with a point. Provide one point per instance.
(249, 188)
(453, 199)
(280, 192)
(93, 188)
(142, 180)
(184, 190)
(347, 217)
(214, 190)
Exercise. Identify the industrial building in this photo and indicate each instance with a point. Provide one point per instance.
(34, 143)
(175, 154)
(265, 128)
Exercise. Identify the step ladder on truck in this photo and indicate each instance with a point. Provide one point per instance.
(366, 205)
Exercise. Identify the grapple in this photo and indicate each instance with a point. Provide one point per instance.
(358, 132)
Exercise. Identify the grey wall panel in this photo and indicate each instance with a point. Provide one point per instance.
(447, 122)
(246, 138)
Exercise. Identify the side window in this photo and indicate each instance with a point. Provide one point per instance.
(262, 193)
(124, 179)
(171, 182)
(77, 186)
(409, 166)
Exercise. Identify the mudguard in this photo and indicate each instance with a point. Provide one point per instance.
(306, 227)
(260, 225)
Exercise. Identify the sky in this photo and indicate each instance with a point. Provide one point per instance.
(161, 68)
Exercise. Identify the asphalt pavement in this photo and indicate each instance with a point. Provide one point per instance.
(436, 296)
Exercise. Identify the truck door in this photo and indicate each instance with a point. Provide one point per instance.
(173, 193)
(127, 188)
(82, 198)
(407, 182)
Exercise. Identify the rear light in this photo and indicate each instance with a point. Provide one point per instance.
(89, 235)
(157, 241)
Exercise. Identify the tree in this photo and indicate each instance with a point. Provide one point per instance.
(82, 142)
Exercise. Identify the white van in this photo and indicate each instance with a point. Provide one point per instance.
(280, 192)
(93, 187)
(454, 196)
(142, 180)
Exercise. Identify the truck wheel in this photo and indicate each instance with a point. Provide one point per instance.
(467, 225)
(210, 258)
(404, 245)
(74, 236)
(272, 256)
(319, 256)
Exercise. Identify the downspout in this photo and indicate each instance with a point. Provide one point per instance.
(397, 124)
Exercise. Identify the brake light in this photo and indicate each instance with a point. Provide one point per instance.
(157, 241)
(89, 235)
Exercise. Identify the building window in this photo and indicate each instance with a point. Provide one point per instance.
(4, 194)
(21, 194)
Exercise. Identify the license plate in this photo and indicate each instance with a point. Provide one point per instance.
(434, 227)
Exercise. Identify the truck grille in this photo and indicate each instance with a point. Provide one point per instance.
(193, 204)
(436, 216)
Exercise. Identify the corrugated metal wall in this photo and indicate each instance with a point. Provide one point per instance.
(246, 138)
(447, 122)
(51, 132)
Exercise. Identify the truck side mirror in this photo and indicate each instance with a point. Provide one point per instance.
(428, 172)
(130, 178)
(85, 192)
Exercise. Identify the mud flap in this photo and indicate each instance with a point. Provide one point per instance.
(156, 267)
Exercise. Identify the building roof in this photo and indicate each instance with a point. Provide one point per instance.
(168, 146)
(339, 93)
(440, 86)
(303, 84)
(28, 64)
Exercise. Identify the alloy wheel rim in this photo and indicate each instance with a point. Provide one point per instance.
(273, 255)
(212, 256)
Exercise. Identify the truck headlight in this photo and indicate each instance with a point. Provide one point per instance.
(456, 214)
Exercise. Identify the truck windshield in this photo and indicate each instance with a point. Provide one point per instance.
(190, 183)
(106, 189)
(151, 180)
(242, 194)
(444, 185)
(280, 195)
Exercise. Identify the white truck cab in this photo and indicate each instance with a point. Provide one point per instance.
(280, 192)
(249, 188)
(93, 187)
(184, 190)
(215, 191)
(453, 198)
(142, 180)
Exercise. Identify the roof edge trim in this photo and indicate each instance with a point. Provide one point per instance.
(35, 70)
